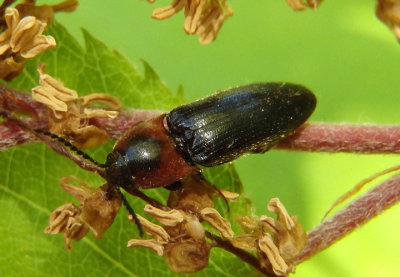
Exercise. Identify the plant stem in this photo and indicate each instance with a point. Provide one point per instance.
(312, 137)
(55, 146)
(344, 137)
(357, 213)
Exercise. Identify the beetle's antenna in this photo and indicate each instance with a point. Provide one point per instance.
(131, 212)
(70, 146)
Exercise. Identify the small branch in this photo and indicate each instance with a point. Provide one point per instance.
(11, 134)
(344, 137)
(241, 254)
(312, 137)
(359, 212)
(55, 146)
(125, 120)
(16, 101)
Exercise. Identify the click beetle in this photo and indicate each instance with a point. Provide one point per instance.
(208, 132)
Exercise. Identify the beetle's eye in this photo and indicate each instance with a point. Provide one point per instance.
(116, 169)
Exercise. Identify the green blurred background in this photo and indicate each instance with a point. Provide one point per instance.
(341, 51)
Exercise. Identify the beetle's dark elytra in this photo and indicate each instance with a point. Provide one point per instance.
(252, 118)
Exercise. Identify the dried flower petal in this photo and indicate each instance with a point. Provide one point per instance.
(219, 223)
(65, 219)
(150, 244)
(99, 207)
(108, 101)
(75, 230)
(156, 231)
(25, 31)
(99, 210)
(181, 240)
(187, 257)
(27, 35)
(249, 225)
(86, 137)
(168, 11)
(229, 194)
(59, 218)
(53, 93)
(167, 218)
(269, 249)
(275, 206)
(299, 5)
(90, 113)
(9, 68)
(388, 11)
(290, 236)
(81, 191)
(39, 44)
(22, 39)
(70, 114)
(246, 242)
(202, 17)
(269, 223)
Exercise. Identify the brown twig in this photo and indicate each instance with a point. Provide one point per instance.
(312, 137)
(357, 213)
(57, 147)
(344, 137)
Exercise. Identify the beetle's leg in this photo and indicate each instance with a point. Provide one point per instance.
(174, 186)
(131, 211)
(134, 191)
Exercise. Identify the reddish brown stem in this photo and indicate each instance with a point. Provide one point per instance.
(359, 212)
(312, 137)
(318, 137)
(57, 147)
(344, 137)
(126, 119)
(11, 134)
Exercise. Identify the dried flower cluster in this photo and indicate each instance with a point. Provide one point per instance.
(389, 12)
(96, 211)
(22, 36)
(21, 40)
(70, 114)
(202, 17)
(277, 241)
(181, 238)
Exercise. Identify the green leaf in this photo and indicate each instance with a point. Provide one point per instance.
(30, 174)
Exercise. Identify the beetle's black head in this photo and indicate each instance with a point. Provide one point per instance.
(143, 154)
